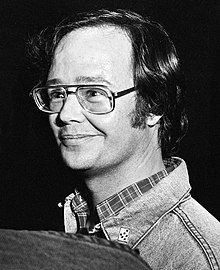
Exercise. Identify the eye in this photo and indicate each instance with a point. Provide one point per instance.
(93, 94)
(55, 94)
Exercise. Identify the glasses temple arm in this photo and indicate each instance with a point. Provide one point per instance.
(124, 92)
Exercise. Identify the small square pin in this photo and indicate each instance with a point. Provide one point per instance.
(123, 234)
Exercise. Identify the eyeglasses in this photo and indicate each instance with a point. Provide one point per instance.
(96, 99)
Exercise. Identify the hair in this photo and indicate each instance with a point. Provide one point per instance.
(156, 68)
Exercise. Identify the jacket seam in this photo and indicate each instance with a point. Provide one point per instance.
(105, 232)
(183, 198)
(198, 237)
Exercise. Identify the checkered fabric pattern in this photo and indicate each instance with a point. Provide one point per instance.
(117, 202)
(79, 207)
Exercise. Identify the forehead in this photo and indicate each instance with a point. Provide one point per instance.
(102, 37)
(106, 43)
(94, 52)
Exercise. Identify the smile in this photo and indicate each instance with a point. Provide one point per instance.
(71, 140)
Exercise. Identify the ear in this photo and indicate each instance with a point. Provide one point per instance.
(153, 119)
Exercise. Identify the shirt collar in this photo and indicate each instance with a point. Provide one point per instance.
(137, 219)
(120, 200)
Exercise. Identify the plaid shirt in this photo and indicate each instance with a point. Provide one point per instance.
(118, 201)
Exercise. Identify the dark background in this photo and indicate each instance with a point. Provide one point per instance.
(33, 179)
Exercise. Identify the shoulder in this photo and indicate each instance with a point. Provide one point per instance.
(187, 237)
(201, 225)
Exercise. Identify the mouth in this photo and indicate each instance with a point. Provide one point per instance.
(76, 139)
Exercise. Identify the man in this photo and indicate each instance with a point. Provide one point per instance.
(112, 85)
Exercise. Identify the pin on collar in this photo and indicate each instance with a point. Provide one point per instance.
(123, 235)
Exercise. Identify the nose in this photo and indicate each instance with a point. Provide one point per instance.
(71, 111)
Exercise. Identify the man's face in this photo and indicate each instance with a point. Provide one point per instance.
(88, 141)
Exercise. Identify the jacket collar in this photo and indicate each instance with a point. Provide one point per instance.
(139, 217)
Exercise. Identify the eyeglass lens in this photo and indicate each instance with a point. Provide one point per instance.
(92, 99)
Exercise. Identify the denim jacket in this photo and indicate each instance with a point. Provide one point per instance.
(169, 228)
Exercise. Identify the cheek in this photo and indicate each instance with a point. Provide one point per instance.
(118, 123)
(52, 120)
(116, 127)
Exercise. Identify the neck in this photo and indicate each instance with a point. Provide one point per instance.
(105, 183)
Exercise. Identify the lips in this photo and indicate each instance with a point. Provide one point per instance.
(75, 139)
(76, 136)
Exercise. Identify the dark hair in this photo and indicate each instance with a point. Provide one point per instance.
(157, 75)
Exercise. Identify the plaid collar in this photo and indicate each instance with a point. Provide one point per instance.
(120, 200)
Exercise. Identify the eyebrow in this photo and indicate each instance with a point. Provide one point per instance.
(81, 79)
(54, 81)
(91, 79)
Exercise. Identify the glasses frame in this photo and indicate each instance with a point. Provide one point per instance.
(111, 95)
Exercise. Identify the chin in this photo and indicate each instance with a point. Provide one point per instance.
(77, 166)
(76, 162)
